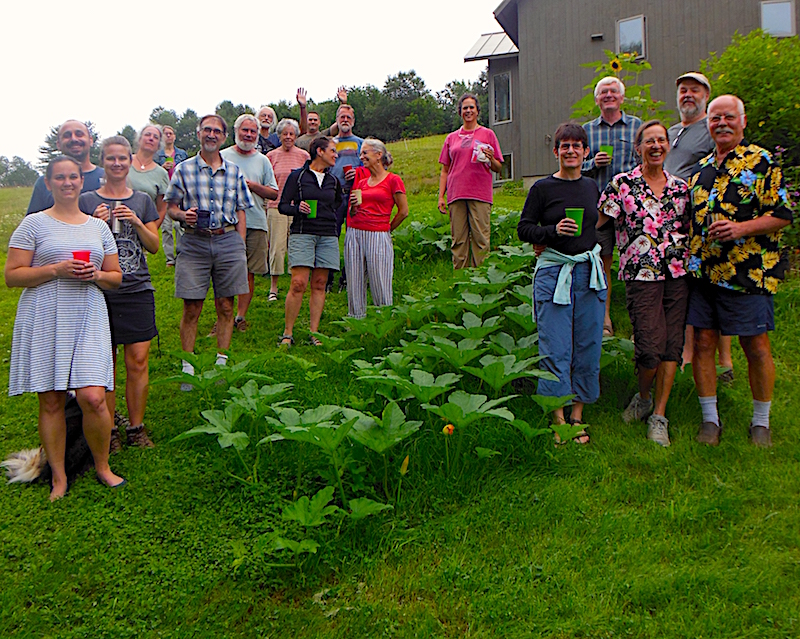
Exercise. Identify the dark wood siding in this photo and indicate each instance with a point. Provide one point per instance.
(554, 40)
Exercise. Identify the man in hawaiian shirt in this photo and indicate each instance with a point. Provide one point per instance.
(739, 208)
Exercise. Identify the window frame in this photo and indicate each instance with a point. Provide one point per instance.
(643, 54)
(792, 22)
(508, 160)
(494, 98)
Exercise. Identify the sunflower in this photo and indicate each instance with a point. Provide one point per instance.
(616, 65)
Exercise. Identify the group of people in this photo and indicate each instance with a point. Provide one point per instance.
(692, 199)
(225, 215)
(696, 213)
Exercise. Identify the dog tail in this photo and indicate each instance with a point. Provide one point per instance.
(24, 466)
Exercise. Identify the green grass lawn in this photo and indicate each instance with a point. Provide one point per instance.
(617, 539)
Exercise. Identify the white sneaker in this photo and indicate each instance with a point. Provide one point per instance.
(658, 430)
(638, 409)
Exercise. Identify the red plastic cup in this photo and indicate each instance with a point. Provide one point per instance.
(84, 256)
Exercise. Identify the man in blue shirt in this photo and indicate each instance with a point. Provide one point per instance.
(615, 131)
(74, 140)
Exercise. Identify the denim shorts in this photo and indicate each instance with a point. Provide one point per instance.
(730, 312)
(314, 251)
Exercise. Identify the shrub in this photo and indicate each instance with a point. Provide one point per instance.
(762, 71)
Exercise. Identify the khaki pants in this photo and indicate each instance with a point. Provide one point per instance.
(470, 228)
(278, 232)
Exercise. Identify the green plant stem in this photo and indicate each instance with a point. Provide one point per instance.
(385, 477)
(447, 455)
(335, 461)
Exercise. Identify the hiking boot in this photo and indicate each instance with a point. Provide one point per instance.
(726, 377)
(638, 409)
(658, 430)
(115, 445)
(120, 421)
(761, 436)
(709, 433)
(137, 436)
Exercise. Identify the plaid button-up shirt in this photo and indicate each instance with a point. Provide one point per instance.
(222, 192)
(621, 136)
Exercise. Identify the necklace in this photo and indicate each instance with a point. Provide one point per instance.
(139, 162)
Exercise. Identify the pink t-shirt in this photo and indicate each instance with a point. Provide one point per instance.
(284, 162)
(377, 202)
(469, 178)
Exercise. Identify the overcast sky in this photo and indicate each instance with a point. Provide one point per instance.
(112, 63)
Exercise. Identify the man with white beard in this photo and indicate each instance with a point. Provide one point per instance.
(261, 181)
(691, 142)
(690, 139)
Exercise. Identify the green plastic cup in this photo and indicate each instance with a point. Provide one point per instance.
(577, 215)
(607, 149)
(313, 205)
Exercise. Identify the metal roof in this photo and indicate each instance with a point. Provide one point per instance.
(491, 45)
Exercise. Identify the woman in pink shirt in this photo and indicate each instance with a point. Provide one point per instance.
(468, 158)
(285, 159)
(368, 249)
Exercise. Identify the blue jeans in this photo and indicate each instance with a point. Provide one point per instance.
(570, 337)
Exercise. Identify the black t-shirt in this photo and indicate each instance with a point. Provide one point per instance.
(544, 208)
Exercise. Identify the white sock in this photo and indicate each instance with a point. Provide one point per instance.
(222, 360)
(709, 407)
(761, 413)
(186, 367)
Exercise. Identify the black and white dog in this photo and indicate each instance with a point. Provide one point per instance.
(31, 465)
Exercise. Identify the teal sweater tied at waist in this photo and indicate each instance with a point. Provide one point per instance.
(549, 257)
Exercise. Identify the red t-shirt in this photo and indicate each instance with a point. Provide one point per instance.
(377, 202)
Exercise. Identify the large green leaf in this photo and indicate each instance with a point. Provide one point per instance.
(221, 424)
(363, 507)
(522, 315)
(381, 434)
(311, 512)
(463, 409)
(478, 305)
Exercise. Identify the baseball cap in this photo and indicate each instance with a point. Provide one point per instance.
(697, 77)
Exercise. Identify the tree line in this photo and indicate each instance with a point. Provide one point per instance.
(403, 109)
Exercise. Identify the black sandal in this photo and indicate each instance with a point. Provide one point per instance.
(314, 341)
(282, 341)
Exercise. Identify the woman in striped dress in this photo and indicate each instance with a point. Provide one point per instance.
(61, 333)
(368, 250)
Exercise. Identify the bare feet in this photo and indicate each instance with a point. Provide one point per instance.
(110, 479)
(59, 490)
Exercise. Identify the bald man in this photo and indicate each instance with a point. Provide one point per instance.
(74, 140)
(739, 208)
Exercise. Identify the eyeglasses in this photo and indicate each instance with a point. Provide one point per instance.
(654, 141)
(208, 130)
(566, 146)
(677, 138)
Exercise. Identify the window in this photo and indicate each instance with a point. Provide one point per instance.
(631, 36)
(777, 18)
(502, 97)
(507, 172)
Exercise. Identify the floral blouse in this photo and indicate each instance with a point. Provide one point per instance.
(748, 184)
(652, 233)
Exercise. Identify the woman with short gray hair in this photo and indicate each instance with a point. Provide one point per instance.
(368, 250)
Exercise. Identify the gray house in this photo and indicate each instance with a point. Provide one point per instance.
(534, 63)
